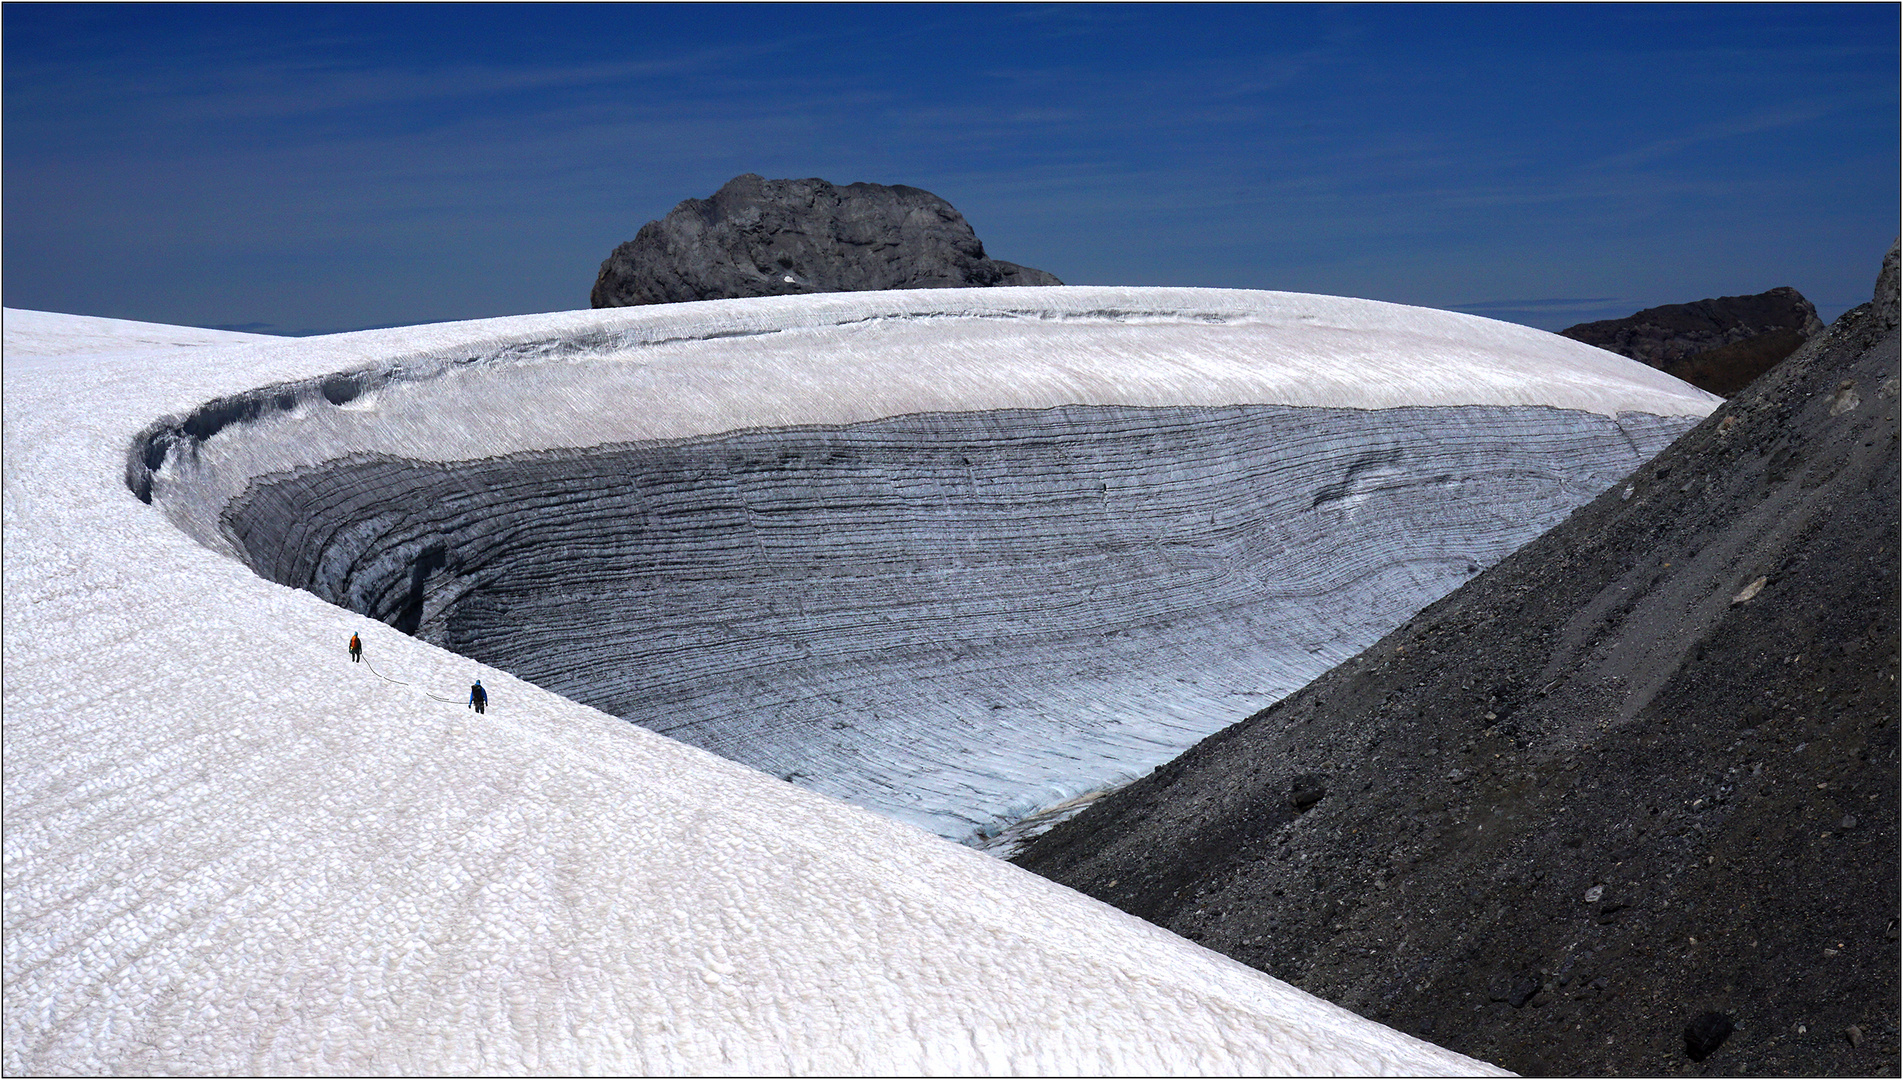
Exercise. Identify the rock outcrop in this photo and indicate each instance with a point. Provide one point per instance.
(1643, 770)
(1718, 345)
(759, 237)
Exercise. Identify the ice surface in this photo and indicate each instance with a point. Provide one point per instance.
(227, 849)
(49, 333)
(673, 371)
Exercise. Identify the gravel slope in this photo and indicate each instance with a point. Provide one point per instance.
(1644, 769)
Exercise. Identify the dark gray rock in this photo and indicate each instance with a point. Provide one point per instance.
(1889, 292)
(759, 237)
(1305, 791)
(1620, 671)
(1523, 991)
(1706, 1033)
(1719, 345)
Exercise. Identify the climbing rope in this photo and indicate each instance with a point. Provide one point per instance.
(400, 682)
(381, 675)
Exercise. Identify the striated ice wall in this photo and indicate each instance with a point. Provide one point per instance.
(950, 618)
(953, 558)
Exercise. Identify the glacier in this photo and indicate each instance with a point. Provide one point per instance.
(226, 850)
(954, 556)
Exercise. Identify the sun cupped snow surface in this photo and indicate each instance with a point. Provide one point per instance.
(229, 850)
(953, 557)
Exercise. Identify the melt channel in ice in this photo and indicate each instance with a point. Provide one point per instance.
(228, 850)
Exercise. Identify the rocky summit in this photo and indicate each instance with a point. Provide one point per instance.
(1625, 804)
(759, 237)
(1718, 345)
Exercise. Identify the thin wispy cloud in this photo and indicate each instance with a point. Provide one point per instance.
(1560, 304)
(1780, 117)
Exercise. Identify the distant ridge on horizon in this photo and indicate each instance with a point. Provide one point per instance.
(1718, 345)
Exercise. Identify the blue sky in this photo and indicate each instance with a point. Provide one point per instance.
(293, 168)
